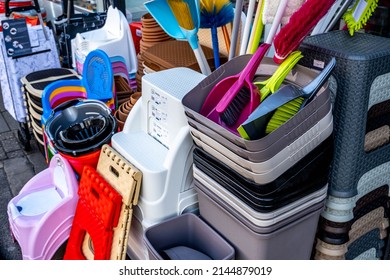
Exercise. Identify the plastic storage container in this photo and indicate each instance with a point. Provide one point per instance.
(186, 237)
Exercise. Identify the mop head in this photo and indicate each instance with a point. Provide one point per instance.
(215, 13)
(357, 16)
(301, 23)
(271, 6)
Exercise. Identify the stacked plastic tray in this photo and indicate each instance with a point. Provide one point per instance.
(264, 196)
(349, 229)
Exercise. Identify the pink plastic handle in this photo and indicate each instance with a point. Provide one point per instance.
(246, 74)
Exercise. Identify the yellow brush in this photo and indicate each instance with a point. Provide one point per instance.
(182, 12)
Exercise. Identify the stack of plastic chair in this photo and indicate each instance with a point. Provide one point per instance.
(263, 196)
(360, 176)
(41, 215)
(157, 141)
(33, 85)
(114, 38)
(97, 82)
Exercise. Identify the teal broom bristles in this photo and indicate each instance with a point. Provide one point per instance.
(213, 14)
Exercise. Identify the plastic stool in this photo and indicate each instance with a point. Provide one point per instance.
(97, 213)
(361, 80)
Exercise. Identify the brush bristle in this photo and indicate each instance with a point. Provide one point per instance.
(182, 13)
(235, 108)
(283, 114)
(301, 23)
(215, 13)
(355, 21)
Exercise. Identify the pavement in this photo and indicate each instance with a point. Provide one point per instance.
(17, 166)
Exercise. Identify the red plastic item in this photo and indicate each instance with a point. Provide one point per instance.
(136, 33)
(79, 162)
(97, 214)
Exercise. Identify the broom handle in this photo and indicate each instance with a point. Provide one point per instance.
(257, 30)
(236, 26)
(226, 38)
(338, 15)
(202, 61)
(247, 27)
(214, 40)
(277, 20)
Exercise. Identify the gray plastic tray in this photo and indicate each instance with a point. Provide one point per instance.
(219, 142)
(279, 138)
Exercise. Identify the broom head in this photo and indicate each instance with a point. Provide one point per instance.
(299, 26)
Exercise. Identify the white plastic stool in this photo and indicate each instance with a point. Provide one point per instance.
(156, 139)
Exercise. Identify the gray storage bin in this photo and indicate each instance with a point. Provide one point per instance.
(292, 241)
(278, 139)
(188, 237)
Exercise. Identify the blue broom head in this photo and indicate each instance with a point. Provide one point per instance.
(215, 13)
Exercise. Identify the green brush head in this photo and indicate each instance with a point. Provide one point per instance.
(357, 16)
(283, 114)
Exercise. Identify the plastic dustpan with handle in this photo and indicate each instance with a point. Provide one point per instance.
(254, 126)
(221, 94)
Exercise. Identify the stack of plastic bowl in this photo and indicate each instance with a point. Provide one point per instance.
(77, 130)
(152, 34)
(264, 196)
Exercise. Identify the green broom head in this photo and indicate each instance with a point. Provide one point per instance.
(357, 16)
(215, 13)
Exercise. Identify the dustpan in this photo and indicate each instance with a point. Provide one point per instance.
(254, 126)
(162, 13)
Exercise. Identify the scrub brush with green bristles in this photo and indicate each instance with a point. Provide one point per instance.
(357, 16)
(273, 83)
